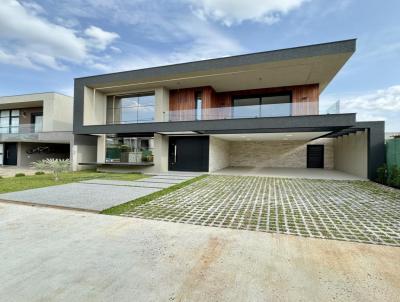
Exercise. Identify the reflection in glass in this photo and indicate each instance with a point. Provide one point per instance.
(129, 149)
(138, 108)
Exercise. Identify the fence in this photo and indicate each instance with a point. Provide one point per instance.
(393, 152)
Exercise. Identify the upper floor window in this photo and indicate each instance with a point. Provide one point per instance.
(199, 105)
(133, 108)
(9, 121)
(262, 106)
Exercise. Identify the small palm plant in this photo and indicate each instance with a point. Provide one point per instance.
(57, 166)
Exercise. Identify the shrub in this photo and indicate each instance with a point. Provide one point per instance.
(19, 174)
(394, 177)
(382, 174)
(39, 173)
(56, 166)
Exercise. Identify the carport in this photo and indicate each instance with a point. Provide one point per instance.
(353, 152)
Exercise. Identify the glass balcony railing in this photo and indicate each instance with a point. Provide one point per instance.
(238, 112)
(21, 129)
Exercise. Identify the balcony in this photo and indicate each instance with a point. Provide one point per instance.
(240, 112)
(21, 129)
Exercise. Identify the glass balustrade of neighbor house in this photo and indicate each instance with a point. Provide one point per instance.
(21, 128)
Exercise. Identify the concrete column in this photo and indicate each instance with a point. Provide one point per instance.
(160, 153)
(101, 148)
(162, 104)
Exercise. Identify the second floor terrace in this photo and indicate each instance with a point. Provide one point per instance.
(203, 103)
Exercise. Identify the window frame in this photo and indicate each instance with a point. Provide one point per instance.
(260, 96)
(111, 98)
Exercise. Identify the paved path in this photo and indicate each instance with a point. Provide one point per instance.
(55, 255)
(360, 211)
(95, 194)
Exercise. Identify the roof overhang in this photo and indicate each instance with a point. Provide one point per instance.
(314, 64)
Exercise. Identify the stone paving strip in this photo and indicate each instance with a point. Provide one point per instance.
(127, 183)
(359, 211)
(93, 194)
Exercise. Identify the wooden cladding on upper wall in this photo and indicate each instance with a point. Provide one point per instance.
(182, 102)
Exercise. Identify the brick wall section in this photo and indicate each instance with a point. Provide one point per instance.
(277, 154)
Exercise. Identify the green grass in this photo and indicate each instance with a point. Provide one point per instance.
(128, 206)
(12, 184)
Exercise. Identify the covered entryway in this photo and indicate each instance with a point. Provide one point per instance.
(313, 155)
(188, 153)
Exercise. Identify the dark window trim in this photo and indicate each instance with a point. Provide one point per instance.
(35, 114)
(260, 96)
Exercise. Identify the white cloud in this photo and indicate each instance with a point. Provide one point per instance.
(381, 100)
(205, 42)
(99, 38)
(382, 104)
(230, 12)
(32, 41)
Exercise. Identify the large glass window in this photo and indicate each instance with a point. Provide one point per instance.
(262, 106)
(137, 108)
(133, 150)
(9, 121)
(279, 105)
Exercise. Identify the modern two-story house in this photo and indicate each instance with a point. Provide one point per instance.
(253, 110)
(34, 127)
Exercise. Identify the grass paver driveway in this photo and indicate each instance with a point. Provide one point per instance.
(360, 211)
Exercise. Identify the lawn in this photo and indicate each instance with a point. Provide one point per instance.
(12, 184)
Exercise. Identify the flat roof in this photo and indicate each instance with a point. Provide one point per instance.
(316, 63)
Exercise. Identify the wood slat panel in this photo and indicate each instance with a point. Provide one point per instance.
(182, 104)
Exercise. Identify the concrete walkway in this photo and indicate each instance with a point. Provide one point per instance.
(95, 194)
(10, 171)
(288, 173)
(55, 255)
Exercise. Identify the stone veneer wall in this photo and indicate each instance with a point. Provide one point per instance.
(218, 154)
(277, 154)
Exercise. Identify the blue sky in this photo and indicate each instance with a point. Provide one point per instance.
(44, 44)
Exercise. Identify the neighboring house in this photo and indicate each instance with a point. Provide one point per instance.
(253, 110)
(33, 127)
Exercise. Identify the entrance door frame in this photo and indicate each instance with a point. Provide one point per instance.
(6, 155)
(174, 154)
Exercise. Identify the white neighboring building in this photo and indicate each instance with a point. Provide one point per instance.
(35, 126)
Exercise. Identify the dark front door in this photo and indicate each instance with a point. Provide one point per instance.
(315, 156)
(10, 154)
(188, 153)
